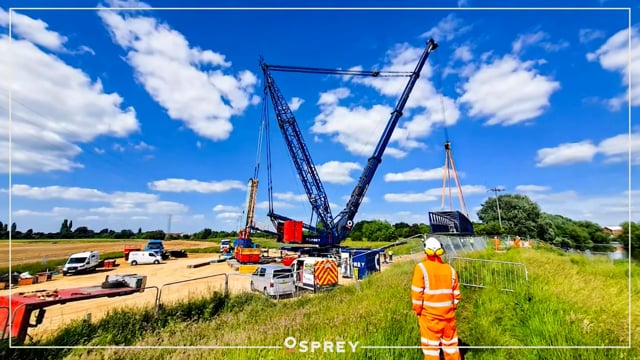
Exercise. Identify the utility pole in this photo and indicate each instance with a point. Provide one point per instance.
(168, 226)
(495, 190)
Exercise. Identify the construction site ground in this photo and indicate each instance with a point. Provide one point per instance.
(170, 271)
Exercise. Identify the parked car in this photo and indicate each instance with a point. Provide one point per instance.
(273, 280)
(83, 262)
(144, 257)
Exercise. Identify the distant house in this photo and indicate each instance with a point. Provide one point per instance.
(612, 230)
(619, 251)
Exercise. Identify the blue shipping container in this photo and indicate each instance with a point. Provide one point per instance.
(366, 261)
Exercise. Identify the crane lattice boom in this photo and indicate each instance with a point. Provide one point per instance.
(333, 231)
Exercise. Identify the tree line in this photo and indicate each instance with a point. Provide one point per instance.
(518, 215)
(82, 232)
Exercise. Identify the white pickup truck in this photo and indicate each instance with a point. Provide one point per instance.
(83, 262)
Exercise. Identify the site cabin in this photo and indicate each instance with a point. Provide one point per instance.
(83, 262)
(315, 273)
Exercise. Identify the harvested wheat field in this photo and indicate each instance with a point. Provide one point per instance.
(35, 251)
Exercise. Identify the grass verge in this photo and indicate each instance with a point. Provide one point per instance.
(569, 302)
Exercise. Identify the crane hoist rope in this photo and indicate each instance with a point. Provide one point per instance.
(449, 165)
(252, 186)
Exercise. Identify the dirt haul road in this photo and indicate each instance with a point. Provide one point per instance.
(35, 251)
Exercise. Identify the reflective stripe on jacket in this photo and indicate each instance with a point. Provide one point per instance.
(435, 289)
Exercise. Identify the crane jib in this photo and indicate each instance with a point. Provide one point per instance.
(334, 231)
(345, 221)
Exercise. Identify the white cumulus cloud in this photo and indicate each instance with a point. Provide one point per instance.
(567, 153)
(531, 188)
(508, 91)
(613, 55)
(189, 82)
(538, 38)
(229, 215)
(433, 194)
(358, 128)
(614, 149)
(227, 208)
(415, 174)
(120, 202)
(337, 172)
(289, 196)
(463, 53)
(588, 35)
(187, 185)
(295, 103)
(448, 28)
(33, 30)
(46, 92)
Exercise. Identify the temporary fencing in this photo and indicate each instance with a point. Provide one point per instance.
(453, 245)
(482, 273)
(458, 245)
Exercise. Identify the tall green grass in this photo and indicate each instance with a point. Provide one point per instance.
(207, 250)
(569, 301)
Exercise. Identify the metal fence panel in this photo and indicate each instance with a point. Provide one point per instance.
(458, 245)
(503, 275)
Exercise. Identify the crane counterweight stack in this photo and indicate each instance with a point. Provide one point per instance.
(329, 232)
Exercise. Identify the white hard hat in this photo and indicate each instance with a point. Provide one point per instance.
(432, 244)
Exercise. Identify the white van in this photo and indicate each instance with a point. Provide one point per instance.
(144, 257)
(273, 280)
(315, 273)
(81, 263)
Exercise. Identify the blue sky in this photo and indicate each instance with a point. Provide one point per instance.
(121, 118)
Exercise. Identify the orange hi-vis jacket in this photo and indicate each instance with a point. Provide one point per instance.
(435, 289)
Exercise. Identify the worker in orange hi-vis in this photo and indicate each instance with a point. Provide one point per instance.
(435, 294)
(516, 241)
(496, 242)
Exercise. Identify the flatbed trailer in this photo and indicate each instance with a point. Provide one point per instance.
(16, 309)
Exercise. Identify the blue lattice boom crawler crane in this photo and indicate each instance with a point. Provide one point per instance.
(329, 231)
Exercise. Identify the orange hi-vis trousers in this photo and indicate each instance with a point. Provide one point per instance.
(435, 333)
